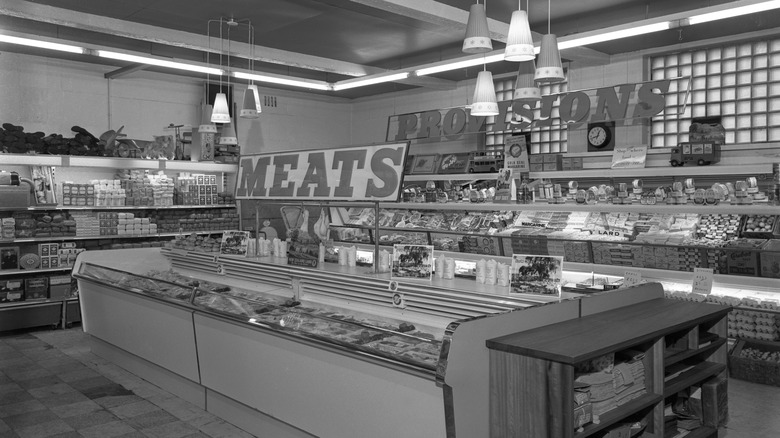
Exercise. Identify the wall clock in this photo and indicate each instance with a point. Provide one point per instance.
(601, 136)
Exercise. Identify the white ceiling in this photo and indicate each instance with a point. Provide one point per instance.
(334, 40)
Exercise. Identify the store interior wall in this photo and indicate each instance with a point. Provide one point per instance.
(53, 95)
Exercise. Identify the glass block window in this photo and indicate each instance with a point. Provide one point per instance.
(740, 83)
(548, 139)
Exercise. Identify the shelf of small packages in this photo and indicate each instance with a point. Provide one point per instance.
(113, 236)
(721, 208)
(114, 163)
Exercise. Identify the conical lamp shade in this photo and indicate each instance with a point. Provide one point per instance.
(221, 114)
(251, 108)
(477, 34)
(519, 42)
(484, 103)
(205, 121)
(549, 68)
(228, 135)
(526, 90)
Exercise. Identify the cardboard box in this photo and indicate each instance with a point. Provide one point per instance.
(536, 159)
(36, 288)
(770, 259)
(59, 287)
(536, 167)
(11, 290)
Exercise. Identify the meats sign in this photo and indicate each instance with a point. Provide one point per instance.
(363, 173)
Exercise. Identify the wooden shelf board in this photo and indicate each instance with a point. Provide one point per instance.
(113, 237)
(588, 337)
(697, 374)
(621, 412)
(677, 357)
(701, 432)
(722, 208)
(683, 171)
(134, 207)
(34, 271)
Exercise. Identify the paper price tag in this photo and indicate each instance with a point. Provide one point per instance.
(702, 280)
(632, 277)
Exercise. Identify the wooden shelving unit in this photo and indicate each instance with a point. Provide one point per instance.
(533, 372)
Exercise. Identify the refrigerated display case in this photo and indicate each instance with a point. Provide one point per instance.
(322, 351)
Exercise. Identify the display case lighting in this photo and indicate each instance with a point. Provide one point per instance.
(361, 82)
(734, 11)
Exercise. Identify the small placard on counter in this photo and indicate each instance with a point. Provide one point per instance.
(629, 157)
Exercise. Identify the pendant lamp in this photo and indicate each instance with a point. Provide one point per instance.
(549, 68)
(221, 114)
(228, 135)
(251, 108)
(526, 90)
(519, 42)
(484, 102)
(477, 38)
(205, 121)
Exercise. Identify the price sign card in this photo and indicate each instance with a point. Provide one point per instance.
(629, 157)
(702, 281)
(632, 277)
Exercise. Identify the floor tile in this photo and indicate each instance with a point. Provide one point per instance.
(29, 419)
(117, 400)
(4, 427)
(72, 434)
(151, 419)
(223, 429)
(134, 434)
(43, 353)
(32, 372)
(78, 408)
(15, 364)
(51, 390)
(14, 397)
(175, 429)
(95, 385)
(4, 378)
(90, 419)
(197, 435)
(179, 408)
(30, 405)
(45, 429)
(61, 364)
(130, 410)
(63, 399)
(40, 382)
(10, 387)
(107, 430)
(78, 374)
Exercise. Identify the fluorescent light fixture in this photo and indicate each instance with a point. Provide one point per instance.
(158, 62)
(462, 64)
(734, 11)
(41, 44)
(371, 80)
(305, 83)
(614, 35)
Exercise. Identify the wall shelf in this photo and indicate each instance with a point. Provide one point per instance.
(683, 171)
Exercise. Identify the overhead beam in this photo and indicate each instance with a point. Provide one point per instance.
(141, 32)
(124, 71)
(453, 19)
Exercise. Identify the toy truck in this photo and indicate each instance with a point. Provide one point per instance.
(692, 152)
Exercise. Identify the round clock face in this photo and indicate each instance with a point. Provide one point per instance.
(515, 150)
(598, 136)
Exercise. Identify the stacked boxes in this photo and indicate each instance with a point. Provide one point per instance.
(109, 193)
(68, 253)
(78, 195)
(87, 224)
(109, 222)
(11, 290)
(49, 254)
(545, 162)
(129, 225)
(7, 228)
(575, 251)
(197, 189)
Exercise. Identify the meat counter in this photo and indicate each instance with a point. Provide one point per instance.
(288, 351)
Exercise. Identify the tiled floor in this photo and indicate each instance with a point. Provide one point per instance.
(51, 385)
